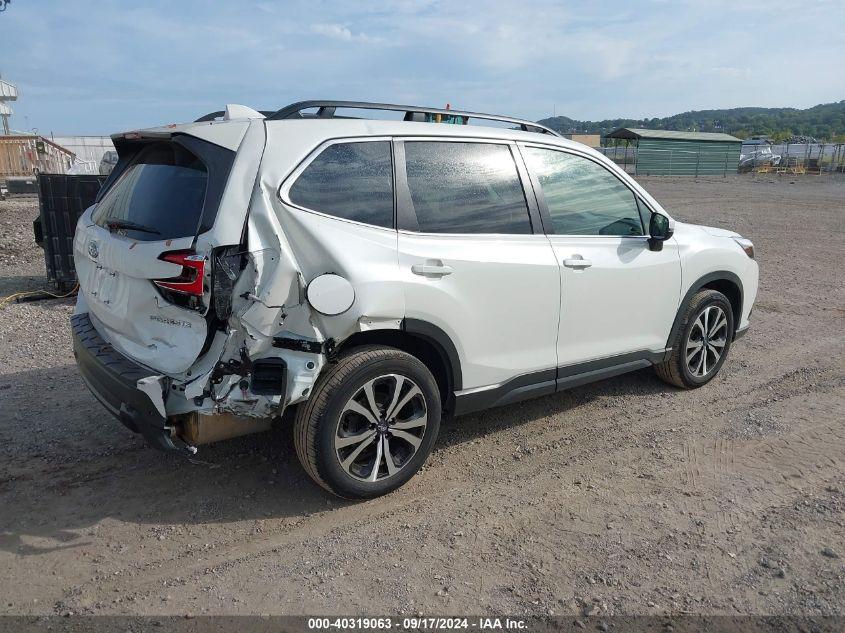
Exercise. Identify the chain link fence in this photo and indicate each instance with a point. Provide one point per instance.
(812, 158)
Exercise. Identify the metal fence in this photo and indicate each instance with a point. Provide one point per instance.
(826, 157)
(814, 158)
(623, 155)
(672, 162)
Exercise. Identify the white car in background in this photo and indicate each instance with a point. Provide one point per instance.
(376, 275)
(758, 157)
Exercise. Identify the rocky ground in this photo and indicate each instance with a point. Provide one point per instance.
(622, 497)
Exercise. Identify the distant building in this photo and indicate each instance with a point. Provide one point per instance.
(757, 140)
(23, 154)
(88, 151)
(671, 153)
(86, 148)
(26, 155)
(591, 140)
(8, 92)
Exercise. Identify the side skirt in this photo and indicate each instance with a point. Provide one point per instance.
(547, 381)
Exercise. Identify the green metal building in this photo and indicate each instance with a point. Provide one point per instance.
(670, 153)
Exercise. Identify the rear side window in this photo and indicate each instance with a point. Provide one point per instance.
(160, 196)
(583, 197)
(353, 181)
(465, 188)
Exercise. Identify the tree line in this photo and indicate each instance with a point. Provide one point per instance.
(824, 122)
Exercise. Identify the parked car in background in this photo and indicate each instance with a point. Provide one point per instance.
(374, 276)
(757, 157)
(82, 167)
(107, 162)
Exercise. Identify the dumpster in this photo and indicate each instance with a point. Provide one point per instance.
(62, 199)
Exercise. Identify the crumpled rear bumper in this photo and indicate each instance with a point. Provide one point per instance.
(113, 379)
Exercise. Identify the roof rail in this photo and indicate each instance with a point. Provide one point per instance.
(326, 110)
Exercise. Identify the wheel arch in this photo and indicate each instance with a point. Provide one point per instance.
(425, 341)
(726, 282)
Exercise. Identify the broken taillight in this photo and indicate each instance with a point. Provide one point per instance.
(190, 281)
(226, 266)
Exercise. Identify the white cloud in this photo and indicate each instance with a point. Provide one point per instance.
(102, 65)
(342, 33)
(731, 71)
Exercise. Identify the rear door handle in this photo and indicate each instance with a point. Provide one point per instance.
(431, 270)
(577, 263)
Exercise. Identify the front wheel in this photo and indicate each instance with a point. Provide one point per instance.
(701, 345)
(369, 424)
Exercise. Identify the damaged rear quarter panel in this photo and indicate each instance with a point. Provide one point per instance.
(291, 246)
(288, 247)
(365, 255)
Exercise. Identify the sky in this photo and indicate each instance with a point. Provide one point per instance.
(85, 67)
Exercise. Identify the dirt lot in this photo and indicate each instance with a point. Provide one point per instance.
(625, 496)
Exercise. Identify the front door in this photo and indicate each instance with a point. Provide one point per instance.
(617, 296)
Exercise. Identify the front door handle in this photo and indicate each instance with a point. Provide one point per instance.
(432, 269)
(577, 262)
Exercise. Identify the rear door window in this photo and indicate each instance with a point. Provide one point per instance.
(352, 181)
(583, 197)
(160, 196)
(460, 187)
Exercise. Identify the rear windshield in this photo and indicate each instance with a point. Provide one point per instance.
(160, 196)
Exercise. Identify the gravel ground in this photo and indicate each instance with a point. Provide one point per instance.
(622, 497)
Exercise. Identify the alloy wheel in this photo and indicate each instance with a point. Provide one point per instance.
(706, 342)
(381, 427)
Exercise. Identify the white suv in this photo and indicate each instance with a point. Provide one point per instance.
(379, 274)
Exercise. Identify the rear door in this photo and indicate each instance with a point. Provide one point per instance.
(473, 258)
(617, 296)
(139, 273)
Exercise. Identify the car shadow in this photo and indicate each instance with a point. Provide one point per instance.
(478, 425)
(66, 464)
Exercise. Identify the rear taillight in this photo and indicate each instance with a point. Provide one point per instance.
(190, 281)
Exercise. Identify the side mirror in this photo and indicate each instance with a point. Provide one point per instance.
(659, 231)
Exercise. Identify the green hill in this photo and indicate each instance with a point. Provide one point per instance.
(826, 122)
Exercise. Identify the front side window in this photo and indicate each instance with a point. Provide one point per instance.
(461, 187)
(583, 197)
(353, 181)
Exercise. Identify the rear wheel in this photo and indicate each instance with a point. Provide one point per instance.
(701, 345)
(370, 423)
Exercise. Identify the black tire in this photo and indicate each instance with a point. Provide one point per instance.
(318, 420)
(676, 370)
